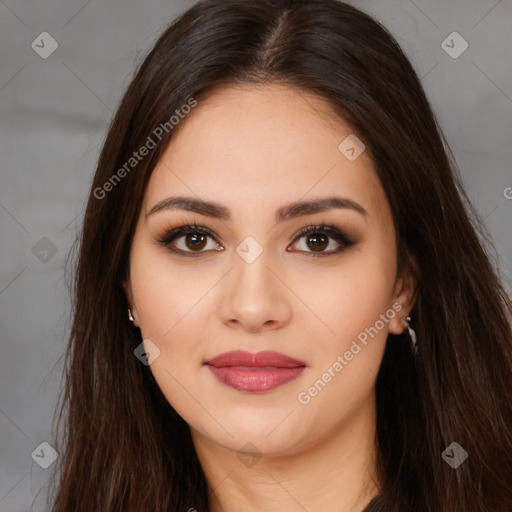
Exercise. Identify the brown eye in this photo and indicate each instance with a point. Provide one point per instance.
(317, 240)
(195, 239)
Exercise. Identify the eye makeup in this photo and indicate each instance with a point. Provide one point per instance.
(198, 235)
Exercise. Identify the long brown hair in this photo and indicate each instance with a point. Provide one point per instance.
(124, 448)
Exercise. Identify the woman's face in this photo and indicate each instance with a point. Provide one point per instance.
(253, 155)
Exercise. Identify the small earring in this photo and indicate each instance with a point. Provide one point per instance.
(412, 334)
(130, 316)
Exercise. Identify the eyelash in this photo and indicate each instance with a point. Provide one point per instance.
(326, 229)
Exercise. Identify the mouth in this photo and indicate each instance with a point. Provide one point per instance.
(255, 373)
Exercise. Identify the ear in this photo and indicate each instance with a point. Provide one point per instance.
(129, 298)
(405, 295)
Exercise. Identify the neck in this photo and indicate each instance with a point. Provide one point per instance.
(335, 474)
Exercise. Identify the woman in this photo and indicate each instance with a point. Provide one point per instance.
(313, 321)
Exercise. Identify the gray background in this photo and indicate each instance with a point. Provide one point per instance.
(54, 113)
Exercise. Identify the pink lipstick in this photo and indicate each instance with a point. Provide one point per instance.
(255, 373)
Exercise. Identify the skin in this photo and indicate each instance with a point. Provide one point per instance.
(255, 149)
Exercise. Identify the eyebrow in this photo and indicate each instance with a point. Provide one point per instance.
(288, 212)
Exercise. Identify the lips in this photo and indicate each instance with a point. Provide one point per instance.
(255, 373)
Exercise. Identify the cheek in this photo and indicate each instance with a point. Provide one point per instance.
(354, 298)
(357, 307)
(167, 299)
(346, 363)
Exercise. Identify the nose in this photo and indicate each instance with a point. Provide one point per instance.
(254, 297)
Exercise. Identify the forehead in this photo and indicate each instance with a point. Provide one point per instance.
(255, 147)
